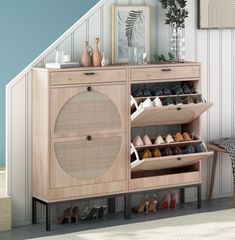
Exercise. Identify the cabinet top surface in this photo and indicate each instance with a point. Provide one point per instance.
(120, 66)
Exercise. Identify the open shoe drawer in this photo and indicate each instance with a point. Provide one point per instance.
(168, 115)
(168, 162)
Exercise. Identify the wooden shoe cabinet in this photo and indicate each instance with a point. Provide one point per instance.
(82, 133)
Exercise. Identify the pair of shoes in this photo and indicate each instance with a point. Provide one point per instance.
(148, 103)
(178, 90)
(181, 138)
(141, 93)
(198, 149)
(169, 201)
(68, 215)
(147, 205)
(96, 212)
(148, 154)
(161, 91)
(138, 142)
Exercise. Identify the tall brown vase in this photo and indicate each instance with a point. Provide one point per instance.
(86, 56)
(96, 54)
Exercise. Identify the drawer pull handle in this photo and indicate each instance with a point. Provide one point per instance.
(178, 159)
(179, 109)
(89, 73)
(89, 89)
(166, 70)
(89, 138)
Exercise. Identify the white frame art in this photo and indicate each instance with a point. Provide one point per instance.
(141, 38)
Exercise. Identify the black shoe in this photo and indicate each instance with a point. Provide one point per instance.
(157, 91)
(200, 148)
(178, 90)
(137, 93)
(91, 214)
(177, 151)
(167, 152)
(186, 89)
(167, 102)
(194, 90)
(101, 212)
(189, 150)
(178, 101)
(146, 93)
(166, 91)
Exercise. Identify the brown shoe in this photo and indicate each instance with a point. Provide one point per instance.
(186, 136)
(146, 154)
(157, 153)
(178, 137)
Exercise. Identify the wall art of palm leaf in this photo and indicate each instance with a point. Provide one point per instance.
(133, 21)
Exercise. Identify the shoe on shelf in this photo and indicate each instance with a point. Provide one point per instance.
(166, 91)
(169, 139)
(186, 89)
(178, 100)
(146, 93)
(66, 217)
(166, 202)
(146, 154)
(157, 91)
(193, 90)
(146, 103)
(198, 99)
(177, 90)
(92, 214)
(159, 140)
(186, 137)
(178, 137)
(157, 102)
(147, 141)
(157, 153)
(174, 200)
(137, 93)
(153, 204)
(188, 100)
(177, 151)
(167, 152)
(189, 150)
(200, 148)
(76, 214)
(168, 102)
(137, 142)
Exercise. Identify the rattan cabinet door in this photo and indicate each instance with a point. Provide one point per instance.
(88, 160)
(79, 111)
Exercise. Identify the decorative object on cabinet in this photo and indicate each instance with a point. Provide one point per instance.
(131, 34)
(96, 57)
(216, 14)
(105, 60)
(86, 56)
(175, 17)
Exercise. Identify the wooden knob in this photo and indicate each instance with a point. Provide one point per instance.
(89, 138)
(179, 109)
(166, 70)
(178, 159)
(89, 89)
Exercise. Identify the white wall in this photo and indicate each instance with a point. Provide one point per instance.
(214, 48)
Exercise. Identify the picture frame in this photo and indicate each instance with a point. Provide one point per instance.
(141, 29)
(214, 14)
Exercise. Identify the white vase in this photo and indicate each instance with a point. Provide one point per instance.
(105, 60)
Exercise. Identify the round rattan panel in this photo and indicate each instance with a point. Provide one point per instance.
(86, 112)
(88, 159)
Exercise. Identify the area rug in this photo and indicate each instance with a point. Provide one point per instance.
(202, 226)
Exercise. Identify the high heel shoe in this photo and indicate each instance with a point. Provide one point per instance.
(91, 215)
(166, 202)
(153, 204)
(174, 200)
(137, 142)
(66, 217)
(76, 214)
(147, 140)
(143, 207)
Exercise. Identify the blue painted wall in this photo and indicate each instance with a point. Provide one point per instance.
(27, 28)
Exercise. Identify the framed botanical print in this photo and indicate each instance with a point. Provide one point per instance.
(216, 14)
(131, 28)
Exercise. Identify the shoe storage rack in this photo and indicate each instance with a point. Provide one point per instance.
(83, 129)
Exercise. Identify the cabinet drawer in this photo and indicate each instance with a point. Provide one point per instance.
(96, 76)
(165, 73)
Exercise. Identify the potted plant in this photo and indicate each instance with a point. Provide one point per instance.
(175, 17)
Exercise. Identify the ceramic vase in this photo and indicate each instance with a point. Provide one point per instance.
(96, 54)
(105, 60)
(86, 57)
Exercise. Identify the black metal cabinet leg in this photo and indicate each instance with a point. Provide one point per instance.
(199, 196)
(182, 195)
(112, 205)
(48, 216)
(34, 211)
(127, 206)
